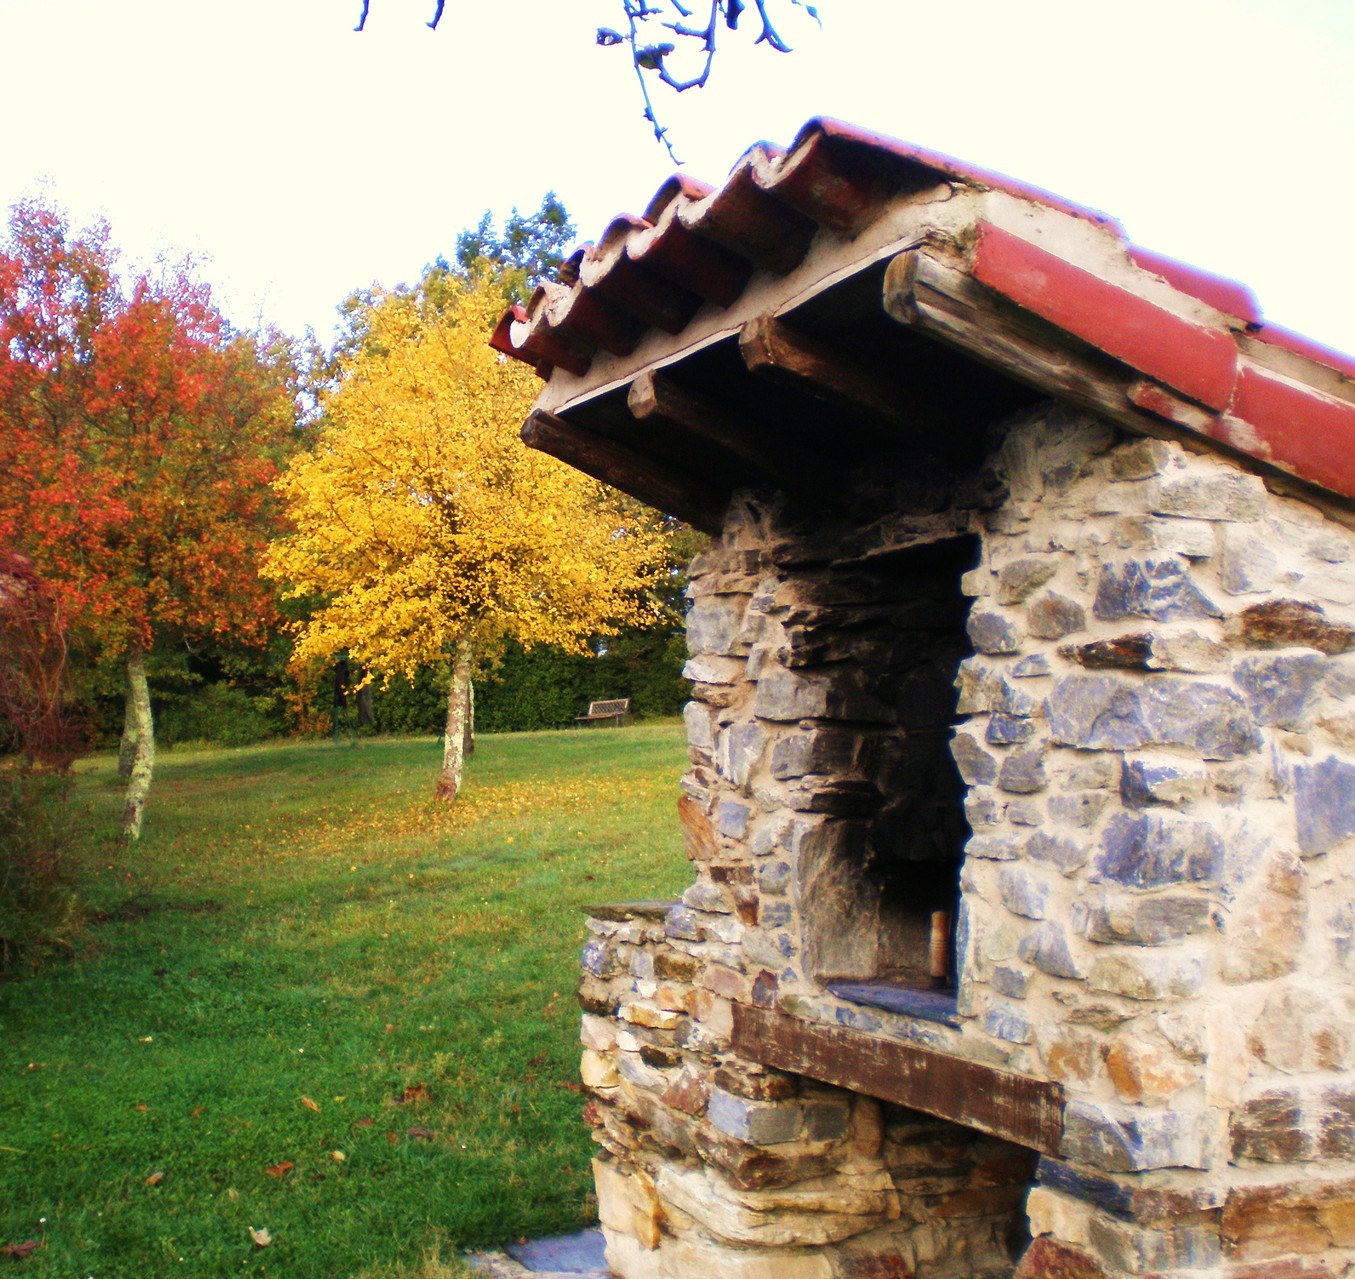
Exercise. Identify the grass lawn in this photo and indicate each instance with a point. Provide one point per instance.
(318, 1003)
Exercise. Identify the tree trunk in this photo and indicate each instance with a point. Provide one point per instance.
(458, 713)
(470, 718)
(142, 731)
(127, 747)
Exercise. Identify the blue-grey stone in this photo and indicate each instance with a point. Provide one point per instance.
(580, 1254)
(1080, 808)
(982, 688)
(1146, 921)
(1011, 982)
(1324, 804)
(760, 1122)
(1053, 616)
(1006, 1021)
(739, 749)
(1229, 496)
(703, 895)
(600, 960)
(840, 693)
(1060, 851)
(1157, 589)
(1047, 948)
(982, 810)
(1022, 771)
(1132, 1139)
(774, 879)
(1167, 783)
(993, 633)
(1030, 667)
(1105, 712)
(1022, 893)
(1007, 730)
(713, 624)
(682, 924)
(995, 848)
(977, 767)
(1025, 811)
(1281, 690)
(1022, 577)
(774, 914)
(732, 818)
(1152, 850)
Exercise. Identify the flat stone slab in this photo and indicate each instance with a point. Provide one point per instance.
(577, 1256)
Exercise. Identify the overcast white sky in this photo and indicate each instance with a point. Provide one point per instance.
(299, 160)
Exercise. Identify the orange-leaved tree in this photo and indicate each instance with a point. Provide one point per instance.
(429, 530)
(139, 435)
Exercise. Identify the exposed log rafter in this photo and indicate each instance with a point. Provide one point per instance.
(689, 498)
(765, 454)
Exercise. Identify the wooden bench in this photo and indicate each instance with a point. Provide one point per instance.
(618, 709)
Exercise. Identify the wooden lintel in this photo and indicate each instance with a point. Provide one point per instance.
(772, 349)
(766, 452)
(699, 503)
(1026, 1111)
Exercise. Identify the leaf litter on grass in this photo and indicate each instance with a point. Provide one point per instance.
(465, 982)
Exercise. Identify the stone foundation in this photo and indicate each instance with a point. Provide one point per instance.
(1139, 812)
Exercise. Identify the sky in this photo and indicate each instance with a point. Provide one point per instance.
(296, 160)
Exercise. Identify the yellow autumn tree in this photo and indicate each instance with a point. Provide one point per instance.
(428, 530)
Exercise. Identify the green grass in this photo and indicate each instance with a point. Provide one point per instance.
(304, 922)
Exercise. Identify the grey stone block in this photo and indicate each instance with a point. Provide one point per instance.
(732, 818)
(714, 623)
(1065, 853)
(784, 696)
(1047, 948)
(1079, 808)
(1282, 690)
(1132, 1139)
(774, 879)
(1160, 589)
(1008, 730)
(764, 1123)
(1006, 1021)
(977, 767)
(1022, 892)
(1031, 667)
(1022, 577)
(1324, 797)
(997, 848)
(1022, 771)
(1106, 712)
(1170, 783)
(1010, 981)
(1053, 616)
(1230, 496)
(1156, 850)
(1145, 921)
(1149, 975)
(993, 632)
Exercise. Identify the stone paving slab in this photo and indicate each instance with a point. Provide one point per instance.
(577, 1256)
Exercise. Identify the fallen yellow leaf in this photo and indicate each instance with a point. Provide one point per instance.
(260, 1236)
(311, 1105)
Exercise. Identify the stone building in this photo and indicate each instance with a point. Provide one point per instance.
(1021, 805)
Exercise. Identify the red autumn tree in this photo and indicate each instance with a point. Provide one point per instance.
(139, 434)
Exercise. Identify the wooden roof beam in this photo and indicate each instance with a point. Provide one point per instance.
(701, 504)
(913, 411)
(765, 452)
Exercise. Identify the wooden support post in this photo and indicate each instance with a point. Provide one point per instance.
(696, 501)
(765, 451)
(939, 955)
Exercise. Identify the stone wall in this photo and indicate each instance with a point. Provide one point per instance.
(1147, 832)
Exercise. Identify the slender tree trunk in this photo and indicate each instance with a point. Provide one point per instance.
(470, 718)
(127, 747)
(143, 749)
(458, 713)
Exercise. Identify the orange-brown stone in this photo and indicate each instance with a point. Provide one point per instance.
(1048, 1259)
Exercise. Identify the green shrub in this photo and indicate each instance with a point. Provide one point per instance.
(415, 706)
(220, 714)
(39, 911)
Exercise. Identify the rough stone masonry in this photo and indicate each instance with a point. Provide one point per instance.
(1093, 699)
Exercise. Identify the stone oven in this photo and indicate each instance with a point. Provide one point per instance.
(1021, 804)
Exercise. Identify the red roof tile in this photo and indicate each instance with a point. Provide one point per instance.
(1181, 332)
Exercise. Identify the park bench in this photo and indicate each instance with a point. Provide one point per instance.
(618, 709)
